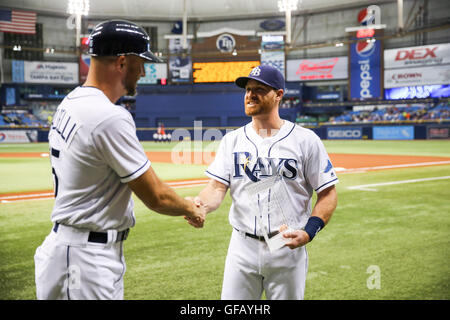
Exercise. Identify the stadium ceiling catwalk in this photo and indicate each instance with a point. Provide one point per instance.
(200, 10)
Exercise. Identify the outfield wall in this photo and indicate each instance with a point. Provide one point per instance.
(385, 131)
(356, 131)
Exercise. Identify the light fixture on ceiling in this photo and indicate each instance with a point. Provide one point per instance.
(78, 7)
(234, 52)
(287, 4)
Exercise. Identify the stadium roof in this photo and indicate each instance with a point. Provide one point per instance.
(199, 10)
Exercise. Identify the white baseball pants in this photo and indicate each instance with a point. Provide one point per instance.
(251, 269)
(68, 267)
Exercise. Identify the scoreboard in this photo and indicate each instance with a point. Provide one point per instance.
(204, 72)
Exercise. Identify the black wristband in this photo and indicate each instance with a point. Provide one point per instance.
(313, 226)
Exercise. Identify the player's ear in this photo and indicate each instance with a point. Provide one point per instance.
(280, 93)
(121, 62)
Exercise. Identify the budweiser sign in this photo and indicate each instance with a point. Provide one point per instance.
(417, 56)
(317, 69)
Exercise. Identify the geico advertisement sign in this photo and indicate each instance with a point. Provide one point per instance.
(344, 133)
(436, 54)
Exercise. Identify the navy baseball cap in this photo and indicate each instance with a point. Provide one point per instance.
(266, 74)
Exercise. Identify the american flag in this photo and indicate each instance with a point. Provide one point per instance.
(18, 21)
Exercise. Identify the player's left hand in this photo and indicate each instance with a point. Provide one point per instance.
(298, 238)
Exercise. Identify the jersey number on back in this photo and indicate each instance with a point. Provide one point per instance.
(55, 153)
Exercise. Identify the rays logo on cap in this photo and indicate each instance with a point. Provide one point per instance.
(255, 72)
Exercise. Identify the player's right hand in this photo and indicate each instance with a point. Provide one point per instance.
(197, 218)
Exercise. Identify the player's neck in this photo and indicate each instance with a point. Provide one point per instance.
(108, 83)
(267, 126)
(108, 90)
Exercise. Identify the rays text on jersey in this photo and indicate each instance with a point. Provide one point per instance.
(263, 166)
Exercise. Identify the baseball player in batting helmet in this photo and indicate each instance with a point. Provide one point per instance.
(265, 148)
(97, 162)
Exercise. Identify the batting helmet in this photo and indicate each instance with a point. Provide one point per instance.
(120, 37)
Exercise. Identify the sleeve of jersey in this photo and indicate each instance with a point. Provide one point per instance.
(219, 169)
(319, 169)
(119, 146)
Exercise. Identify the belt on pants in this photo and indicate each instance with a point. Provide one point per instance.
(260, 238)
(100, 237)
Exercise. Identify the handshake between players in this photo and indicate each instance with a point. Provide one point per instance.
(297, 238)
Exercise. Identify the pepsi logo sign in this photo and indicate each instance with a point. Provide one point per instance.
(2, 136)
(366, 17)
(365, 48)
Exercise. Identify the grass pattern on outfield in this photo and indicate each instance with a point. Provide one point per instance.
(403, 229)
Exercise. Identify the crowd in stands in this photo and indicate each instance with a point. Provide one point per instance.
(37, 114)
(396, 113)
(26, 119)
(41, 116)
(287, 103)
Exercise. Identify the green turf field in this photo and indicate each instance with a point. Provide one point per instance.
(401, 231)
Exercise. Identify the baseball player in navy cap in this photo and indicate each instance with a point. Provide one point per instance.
(269, 146)
(97, 162)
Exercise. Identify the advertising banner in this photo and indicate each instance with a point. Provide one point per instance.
(51, 72)
(393, 133)
(153, 72)
(317, 69)
(420, 56)
(438, 132)
(180, 69)
(17, 71)
(180, 65)
(18, 136)
(417, 76)
(344, 133)
(417, 92)
(274, 59)
(365, 69)
(85, 59)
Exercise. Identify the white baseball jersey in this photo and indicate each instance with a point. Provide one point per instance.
(297, 153)
(94, 153)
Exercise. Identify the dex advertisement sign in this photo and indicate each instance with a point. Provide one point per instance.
(317, 69)
(419, 56)
(365, 69)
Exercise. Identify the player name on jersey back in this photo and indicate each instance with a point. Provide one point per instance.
(65, 125)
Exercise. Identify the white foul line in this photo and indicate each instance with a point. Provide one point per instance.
(368, 187)
(406, 165)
